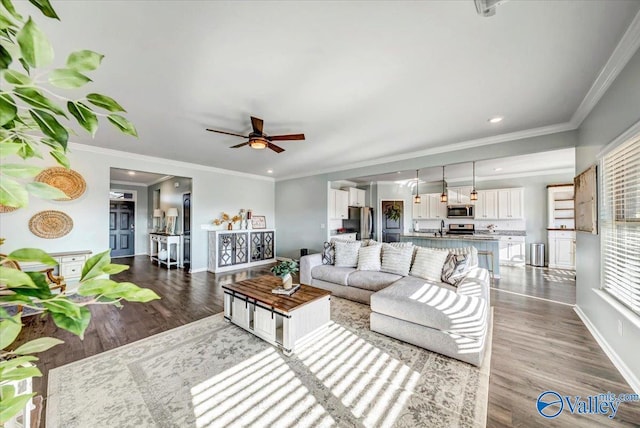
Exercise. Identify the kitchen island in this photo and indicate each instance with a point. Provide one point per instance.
(481, 242)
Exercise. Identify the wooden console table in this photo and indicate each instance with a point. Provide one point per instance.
(70, 264)
(284, 321)
(163, 241)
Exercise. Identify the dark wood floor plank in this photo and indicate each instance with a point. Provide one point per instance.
(538, 345)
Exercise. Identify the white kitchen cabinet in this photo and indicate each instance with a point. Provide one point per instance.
(459, 195)
(487, 205)
(510, 204)
(436, 210)
(420, 211)
(338, 203)
(512, 250)
(356, 197)
(562, 249)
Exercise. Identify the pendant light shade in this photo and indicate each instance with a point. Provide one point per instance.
(416, 198)
(443, 196)
(474, 193)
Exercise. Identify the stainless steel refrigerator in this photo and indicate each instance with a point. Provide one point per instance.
(361, 221)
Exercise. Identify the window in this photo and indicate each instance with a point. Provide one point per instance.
(620, 216)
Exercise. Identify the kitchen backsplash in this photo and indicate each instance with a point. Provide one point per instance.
(480, 224)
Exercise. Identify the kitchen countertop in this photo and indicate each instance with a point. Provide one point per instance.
(430, 235)
(482, 232)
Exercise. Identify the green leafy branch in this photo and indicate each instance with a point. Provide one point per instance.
(30, 113)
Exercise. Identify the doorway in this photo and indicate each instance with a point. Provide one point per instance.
(392, 220)
(122, 228)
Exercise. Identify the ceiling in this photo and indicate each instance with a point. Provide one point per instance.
(136, 177)
(363, 80)
(544, 163)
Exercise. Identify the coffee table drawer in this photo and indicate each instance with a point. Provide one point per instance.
(264, 323)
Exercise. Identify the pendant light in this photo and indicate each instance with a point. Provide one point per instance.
(474, 193)
(416, 198)
(443, 197)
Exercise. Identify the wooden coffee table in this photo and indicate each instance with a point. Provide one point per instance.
(284, 321)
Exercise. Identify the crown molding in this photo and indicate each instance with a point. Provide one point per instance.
(127, 183)
(478, 142)
(626, 48)
(161, 179)
(146, 158)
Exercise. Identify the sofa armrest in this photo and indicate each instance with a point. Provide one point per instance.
(307, 263)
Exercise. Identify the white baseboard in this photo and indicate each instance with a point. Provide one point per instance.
(626, 373)
(198, 270)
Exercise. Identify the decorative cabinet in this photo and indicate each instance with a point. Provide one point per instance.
(510, 204)
(429, 208)
(70, 265)
(459, 195)
(562, 249)
(171, 244)
(236, 249)
(487, 205)
(261, 246)
(356, 197)
(338, 202)
(512, 250)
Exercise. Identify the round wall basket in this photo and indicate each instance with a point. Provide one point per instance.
(50, 224)
(6, 209)
(67, 180)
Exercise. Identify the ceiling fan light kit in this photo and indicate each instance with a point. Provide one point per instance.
(259, 140)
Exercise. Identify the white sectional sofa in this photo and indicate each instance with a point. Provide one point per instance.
(450, 320)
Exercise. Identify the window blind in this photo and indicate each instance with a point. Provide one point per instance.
(620, 223)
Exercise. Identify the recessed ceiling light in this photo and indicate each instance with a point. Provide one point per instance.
(399, 172)
(132, 173)
(269, 171)
(496, 119)
(497, 169)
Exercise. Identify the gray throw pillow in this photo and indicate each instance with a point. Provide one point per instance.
(454, 268)
(328, 254)
(347, 253)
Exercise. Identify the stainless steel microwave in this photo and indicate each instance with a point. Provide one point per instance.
(460, 211)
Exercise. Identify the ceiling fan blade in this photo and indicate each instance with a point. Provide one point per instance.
(286, 137)
(239, 145)
(275, 148)
(257, 124)
(228, 133)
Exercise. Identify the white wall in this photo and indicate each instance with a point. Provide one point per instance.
(618, 110)
(214, 191)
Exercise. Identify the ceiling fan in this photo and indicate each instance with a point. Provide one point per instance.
(258, 139)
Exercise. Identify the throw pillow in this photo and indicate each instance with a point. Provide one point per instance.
(347, 253)
(328, 254)
(454, 268)
(401, 244)
(369, 258)
(428, 264)
(396, 260)
(472, 252)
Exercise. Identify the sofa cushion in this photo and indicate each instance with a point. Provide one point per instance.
(347, 253)
(396, 260)
(428, 264)
(433, 305)
(475, 283)
(372, 281)
(369, 258)
(328, 253)
(335, 274)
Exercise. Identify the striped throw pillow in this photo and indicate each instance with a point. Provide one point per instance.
(328, 254)
(369, 258)
(347, 253)
(396, 260)
(428, 264)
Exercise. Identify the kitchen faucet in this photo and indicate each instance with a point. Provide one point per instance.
(441, 227)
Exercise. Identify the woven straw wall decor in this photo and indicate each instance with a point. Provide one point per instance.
(6, 209)
(67, 180)
(50, 224)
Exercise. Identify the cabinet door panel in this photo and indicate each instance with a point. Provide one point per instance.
(241, 249)
(516, 203)
(225, 249)
(268, 242)
(257, 248)
(504, 205)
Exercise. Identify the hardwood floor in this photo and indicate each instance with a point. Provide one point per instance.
(538, 345)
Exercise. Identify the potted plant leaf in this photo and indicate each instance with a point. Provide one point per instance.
(284, 269)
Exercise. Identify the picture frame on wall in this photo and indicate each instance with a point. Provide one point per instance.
(586, 201)
(258, 222)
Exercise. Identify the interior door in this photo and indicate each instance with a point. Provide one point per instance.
(186, 229)
(121, 228)
(392, 229)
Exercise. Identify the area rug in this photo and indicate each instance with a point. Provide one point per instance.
(210, 373)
